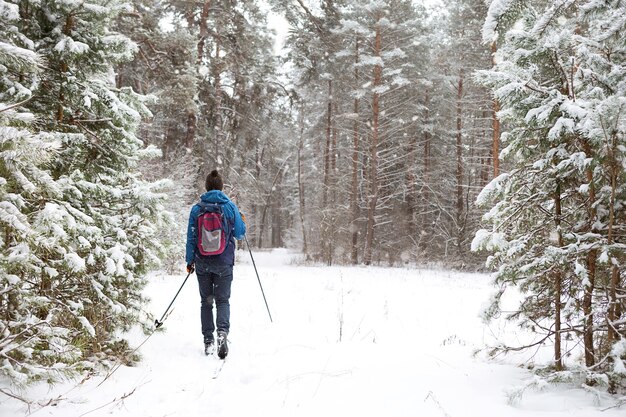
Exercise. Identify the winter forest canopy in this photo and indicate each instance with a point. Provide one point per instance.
(384, 132)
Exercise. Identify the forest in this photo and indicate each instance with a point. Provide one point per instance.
(469, 134)
(354, 145)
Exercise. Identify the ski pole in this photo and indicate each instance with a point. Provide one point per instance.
(159, 323)
(257, 277)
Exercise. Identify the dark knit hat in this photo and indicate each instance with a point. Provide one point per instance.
(214, 181)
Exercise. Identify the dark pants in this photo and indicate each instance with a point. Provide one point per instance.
(214, 282)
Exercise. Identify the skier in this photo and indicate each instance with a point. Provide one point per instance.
(214, 224)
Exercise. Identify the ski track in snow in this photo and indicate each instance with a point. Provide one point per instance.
(345, 341)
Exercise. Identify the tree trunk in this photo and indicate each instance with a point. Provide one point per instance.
(592, 256)
(327, 147)
(266, 207)
(558, 361)
(277, 221)
(613, 313)
(258, 241)
(495, 124)
(332, 213)
(219, 142)
(486, 158)
(326, 248)
(191, 129)
(275, 186)
(354, 195)
(204, 30)
(459, 162)
(590, 358)
(411, 180)
(426, 168)
(301, 200)
(558, 278)
(373, 197)
(615, 290)
(203, 34)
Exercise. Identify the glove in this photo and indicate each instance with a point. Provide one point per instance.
(190, 268)
(243, 217)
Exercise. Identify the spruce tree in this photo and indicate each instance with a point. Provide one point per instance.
(559, 75)
(87, 238)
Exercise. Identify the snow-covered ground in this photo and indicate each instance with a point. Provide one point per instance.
(351, 341)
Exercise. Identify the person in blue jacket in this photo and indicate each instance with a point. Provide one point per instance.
(215, 273)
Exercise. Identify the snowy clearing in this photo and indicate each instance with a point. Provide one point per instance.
(345, 341)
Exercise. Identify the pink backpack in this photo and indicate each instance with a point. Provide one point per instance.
(213, 229)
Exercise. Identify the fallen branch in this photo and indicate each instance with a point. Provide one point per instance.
(431, 395)
(113, 401)
(619, 404)
(17, 397)
(55, 401)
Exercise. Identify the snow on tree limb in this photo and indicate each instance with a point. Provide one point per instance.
(497, 9)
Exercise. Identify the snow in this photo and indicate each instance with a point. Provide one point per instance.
(381, 89)
(490, 241)
(19, 53)
(364, 341)
(371, 60)
(400, 81)
(497, 9)
(395, 53)
(9, 11)
(618, 351)
(562, 126)
(51, 272)
(88, 327)
(490, 189)
(604, 257)
(68, 44)
(75, 262)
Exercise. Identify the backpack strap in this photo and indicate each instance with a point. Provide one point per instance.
(205, 207)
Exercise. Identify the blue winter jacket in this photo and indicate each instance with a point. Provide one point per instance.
(231, 212)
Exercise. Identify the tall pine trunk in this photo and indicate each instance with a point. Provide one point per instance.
(354, 194)
(426, 168)
(590, 358)
(325, 223)
(373, 197)
(613, 313)
(191, 129)
(558, 283)
(218, 122)
(592, 256)
(411, 180)
(192, 119)
(459, 162)
(204, 30)
(495, 124)
(301, 200)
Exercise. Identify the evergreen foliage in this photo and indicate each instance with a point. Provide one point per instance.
(78, 230)
(557, 215)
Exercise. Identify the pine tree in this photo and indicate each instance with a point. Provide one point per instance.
(559, 75)
(312, 46)
(86, 220)
(23, 184)
(359, 90)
